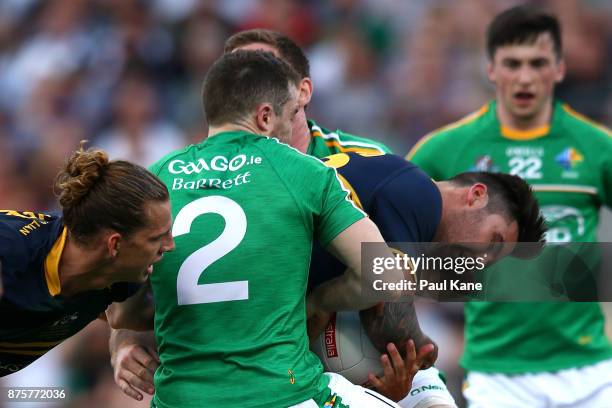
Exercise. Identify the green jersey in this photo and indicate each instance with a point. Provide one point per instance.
(230, 318)
(325, 143)
(569, 166)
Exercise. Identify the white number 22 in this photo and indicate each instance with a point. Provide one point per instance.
(526, 167)
(188, 291)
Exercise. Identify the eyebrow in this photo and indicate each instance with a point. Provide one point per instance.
(162, 234)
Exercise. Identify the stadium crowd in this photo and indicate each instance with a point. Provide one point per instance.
(127, 75)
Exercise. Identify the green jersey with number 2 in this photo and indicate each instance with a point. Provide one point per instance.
(569, 166)
(230, 318)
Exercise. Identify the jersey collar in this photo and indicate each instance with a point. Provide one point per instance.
(530, 134)
(52, 264)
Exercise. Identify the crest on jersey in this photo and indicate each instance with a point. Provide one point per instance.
(565, 223)
(485, 163)
(569, 158)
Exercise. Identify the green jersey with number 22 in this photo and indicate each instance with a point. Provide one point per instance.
(569, 166)
(230, 318)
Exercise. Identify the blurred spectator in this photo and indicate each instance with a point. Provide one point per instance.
(200, 45)
(138, 133)
(127, 75)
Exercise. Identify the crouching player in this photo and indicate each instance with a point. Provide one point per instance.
(407, 206)
(61, 271)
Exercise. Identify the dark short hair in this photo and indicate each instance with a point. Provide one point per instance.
(511, 197)
(237, 82)
(96, 193)
(287, 48)
(522, 25)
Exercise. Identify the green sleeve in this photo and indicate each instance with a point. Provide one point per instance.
(338, 212)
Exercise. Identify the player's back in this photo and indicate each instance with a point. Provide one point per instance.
(399, 197)
(230, 313)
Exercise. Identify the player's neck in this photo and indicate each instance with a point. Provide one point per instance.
(233, 127)
(510, 121)
(448, 193)
(80, 270)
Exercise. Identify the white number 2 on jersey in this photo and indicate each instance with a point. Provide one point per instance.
(526, 167)
(188, 291)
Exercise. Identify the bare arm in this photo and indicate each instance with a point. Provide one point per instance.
(344, 292)
(135, 313)
(397, 323)
(134, 359)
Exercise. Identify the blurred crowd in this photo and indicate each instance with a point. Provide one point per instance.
(127, 75)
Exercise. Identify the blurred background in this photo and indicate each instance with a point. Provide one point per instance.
(127, 74)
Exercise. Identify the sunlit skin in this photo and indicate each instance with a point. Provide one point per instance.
(146, 246)
(113, 257)
(525, 76)
(283, 128)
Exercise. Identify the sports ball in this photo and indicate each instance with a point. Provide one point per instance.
(344, 348)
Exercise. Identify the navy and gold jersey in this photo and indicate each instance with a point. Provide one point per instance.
(34, 316)
(398, 196)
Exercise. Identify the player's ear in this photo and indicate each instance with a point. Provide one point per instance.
(305, 91)
(477, 196)
(490, 71)
(560, 71)
(113, 244)
(264, 118)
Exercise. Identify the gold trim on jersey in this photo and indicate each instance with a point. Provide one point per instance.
(583, 118)
(464, 121)
(333, 140)
(352, 193)
(337, 160)
(563, 188)
(516, 134)
(352, 149)
(52, 264)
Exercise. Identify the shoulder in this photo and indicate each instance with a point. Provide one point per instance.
(581, 125)
(289, 156)
(26, 237)
(454, 132)
(29, 226)
(367, 174)
(346, 142)
(157, 167)
(366, 165)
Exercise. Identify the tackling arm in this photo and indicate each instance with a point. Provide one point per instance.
(344, 292)
(135, 313)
